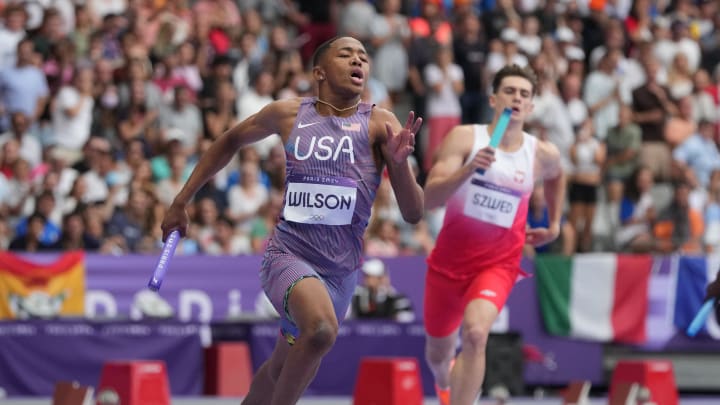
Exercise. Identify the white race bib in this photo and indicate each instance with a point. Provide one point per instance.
(322, 200)
(491, 203)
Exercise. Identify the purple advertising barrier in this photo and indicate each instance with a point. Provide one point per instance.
(199, 288)
(210, 288)
(35, 355)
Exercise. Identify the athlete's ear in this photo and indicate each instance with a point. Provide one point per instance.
(318, 74)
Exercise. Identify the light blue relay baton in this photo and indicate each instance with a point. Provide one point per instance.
(164, 261)
(700, 318)
(499, 131)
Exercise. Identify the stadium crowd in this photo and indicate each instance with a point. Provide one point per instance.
(105, 106)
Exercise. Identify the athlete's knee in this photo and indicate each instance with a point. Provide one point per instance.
(475, 337)
(320, 336)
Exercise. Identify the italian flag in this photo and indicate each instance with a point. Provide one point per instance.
(601, 297)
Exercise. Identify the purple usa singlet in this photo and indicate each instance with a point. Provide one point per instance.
(331, 181)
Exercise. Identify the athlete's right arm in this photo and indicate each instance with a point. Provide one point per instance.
(449, 170)
(272, 119)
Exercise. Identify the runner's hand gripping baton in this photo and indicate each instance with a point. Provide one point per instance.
(164, 261)
(700, 318)
(499, 131)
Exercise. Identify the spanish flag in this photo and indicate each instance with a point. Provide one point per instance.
(32, 290)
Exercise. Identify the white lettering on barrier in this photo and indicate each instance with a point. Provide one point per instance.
(100, 299)
(18, 330)
(234, 303)
(195, 298)
(69, 330)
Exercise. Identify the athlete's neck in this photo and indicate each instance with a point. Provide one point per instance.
(324, 106)
(513, 137)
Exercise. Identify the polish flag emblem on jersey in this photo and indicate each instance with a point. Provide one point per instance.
(351, 126)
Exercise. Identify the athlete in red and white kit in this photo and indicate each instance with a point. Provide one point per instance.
(476, 260)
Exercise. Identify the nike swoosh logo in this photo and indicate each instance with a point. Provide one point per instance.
(301, 125)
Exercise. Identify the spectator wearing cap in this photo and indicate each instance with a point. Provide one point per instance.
(376, 298)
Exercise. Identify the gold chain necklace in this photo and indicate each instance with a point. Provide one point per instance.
(339, 109)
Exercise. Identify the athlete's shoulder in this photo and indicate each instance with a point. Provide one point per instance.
(383, 115)
(462, 134)
(547, 156)
(287, 106)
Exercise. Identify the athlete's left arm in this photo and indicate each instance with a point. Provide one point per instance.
(551, 173)
(396, 144)
(553, 176)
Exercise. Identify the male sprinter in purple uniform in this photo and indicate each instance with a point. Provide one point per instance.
(336, 149)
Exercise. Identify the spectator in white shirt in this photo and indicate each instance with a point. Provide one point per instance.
(72, 114)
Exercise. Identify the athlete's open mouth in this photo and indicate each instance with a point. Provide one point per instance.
(357, 76)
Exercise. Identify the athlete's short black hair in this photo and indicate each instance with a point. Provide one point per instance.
(322, 49)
